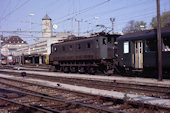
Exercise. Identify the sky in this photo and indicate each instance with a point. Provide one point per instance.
(15, 14)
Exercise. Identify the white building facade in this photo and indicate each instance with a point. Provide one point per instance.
(38, 52)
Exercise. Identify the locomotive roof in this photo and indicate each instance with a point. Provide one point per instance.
(76, 40)
(145, 34)
(79, 39)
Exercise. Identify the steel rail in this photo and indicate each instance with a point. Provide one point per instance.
(117, 85)
(130, 102)
(44, 110)
(42, 95)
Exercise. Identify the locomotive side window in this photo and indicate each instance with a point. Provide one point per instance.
(88, 45)
(104, 41)
(55, 49)
(150, 45)
(79, 46)
(63, 48)
(109, 40)
(126, 47)
(97, 44)
(71, 47)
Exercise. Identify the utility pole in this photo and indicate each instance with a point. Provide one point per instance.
(31, 14)
(159, 42)
(0, 49)
(78, 26)
(72, 26)
(112, 20)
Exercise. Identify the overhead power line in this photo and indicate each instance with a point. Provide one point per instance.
(14, 10)
(12, 32)
(5, 9)
(83, 10)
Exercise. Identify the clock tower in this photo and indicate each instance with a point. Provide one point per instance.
(46, 27)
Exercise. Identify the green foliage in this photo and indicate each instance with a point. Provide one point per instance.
(134, 26)
(165, 20)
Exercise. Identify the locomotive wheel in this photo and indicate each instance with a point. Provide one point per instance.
(57, 68)
(91, 70)
(66, 69)
(52, 69)
(73, 69)
(61, 69)
(81, 69)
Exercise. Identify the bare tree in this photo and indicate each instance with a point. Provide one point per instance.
(134, 26)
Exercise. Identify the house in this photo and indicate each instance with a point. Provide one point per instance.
(10, 45)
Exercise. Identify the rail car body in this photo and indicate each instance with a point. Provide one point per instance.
(4, 61)
(11, 60)
(138, 51)
(84, 55)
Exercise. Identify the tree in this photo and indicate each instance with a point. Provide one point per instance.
(165, 20)
(134, 26)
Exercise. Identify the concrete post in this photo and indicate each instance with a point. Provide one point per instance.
(33, 60)
(40, 59)
(19, 59)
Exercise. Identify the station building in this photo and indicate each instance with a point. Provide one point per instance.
(38, 52)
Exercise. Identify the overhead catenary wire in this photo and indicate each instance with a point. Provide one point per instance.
(81, 11)
(5, 9)
(11, 12)
(112, 10)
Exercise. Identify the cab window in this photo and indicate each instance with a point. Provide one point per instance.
(104, 41)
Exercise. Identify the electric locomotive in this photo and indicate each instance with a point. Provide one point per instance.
(85, 54)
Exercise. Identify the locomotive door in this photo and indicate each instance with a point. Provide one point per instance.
(138, 54)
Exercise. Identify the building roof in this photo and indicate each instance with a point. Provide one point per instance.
(46, 17)
(4, 40)
(15, 40)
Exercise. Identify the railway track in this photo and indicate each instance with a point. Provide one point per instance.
(44, 68)
(42, 102)
(132, 88)
(9, 105)
(142, 89)
(84, 102)
(50, 104)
